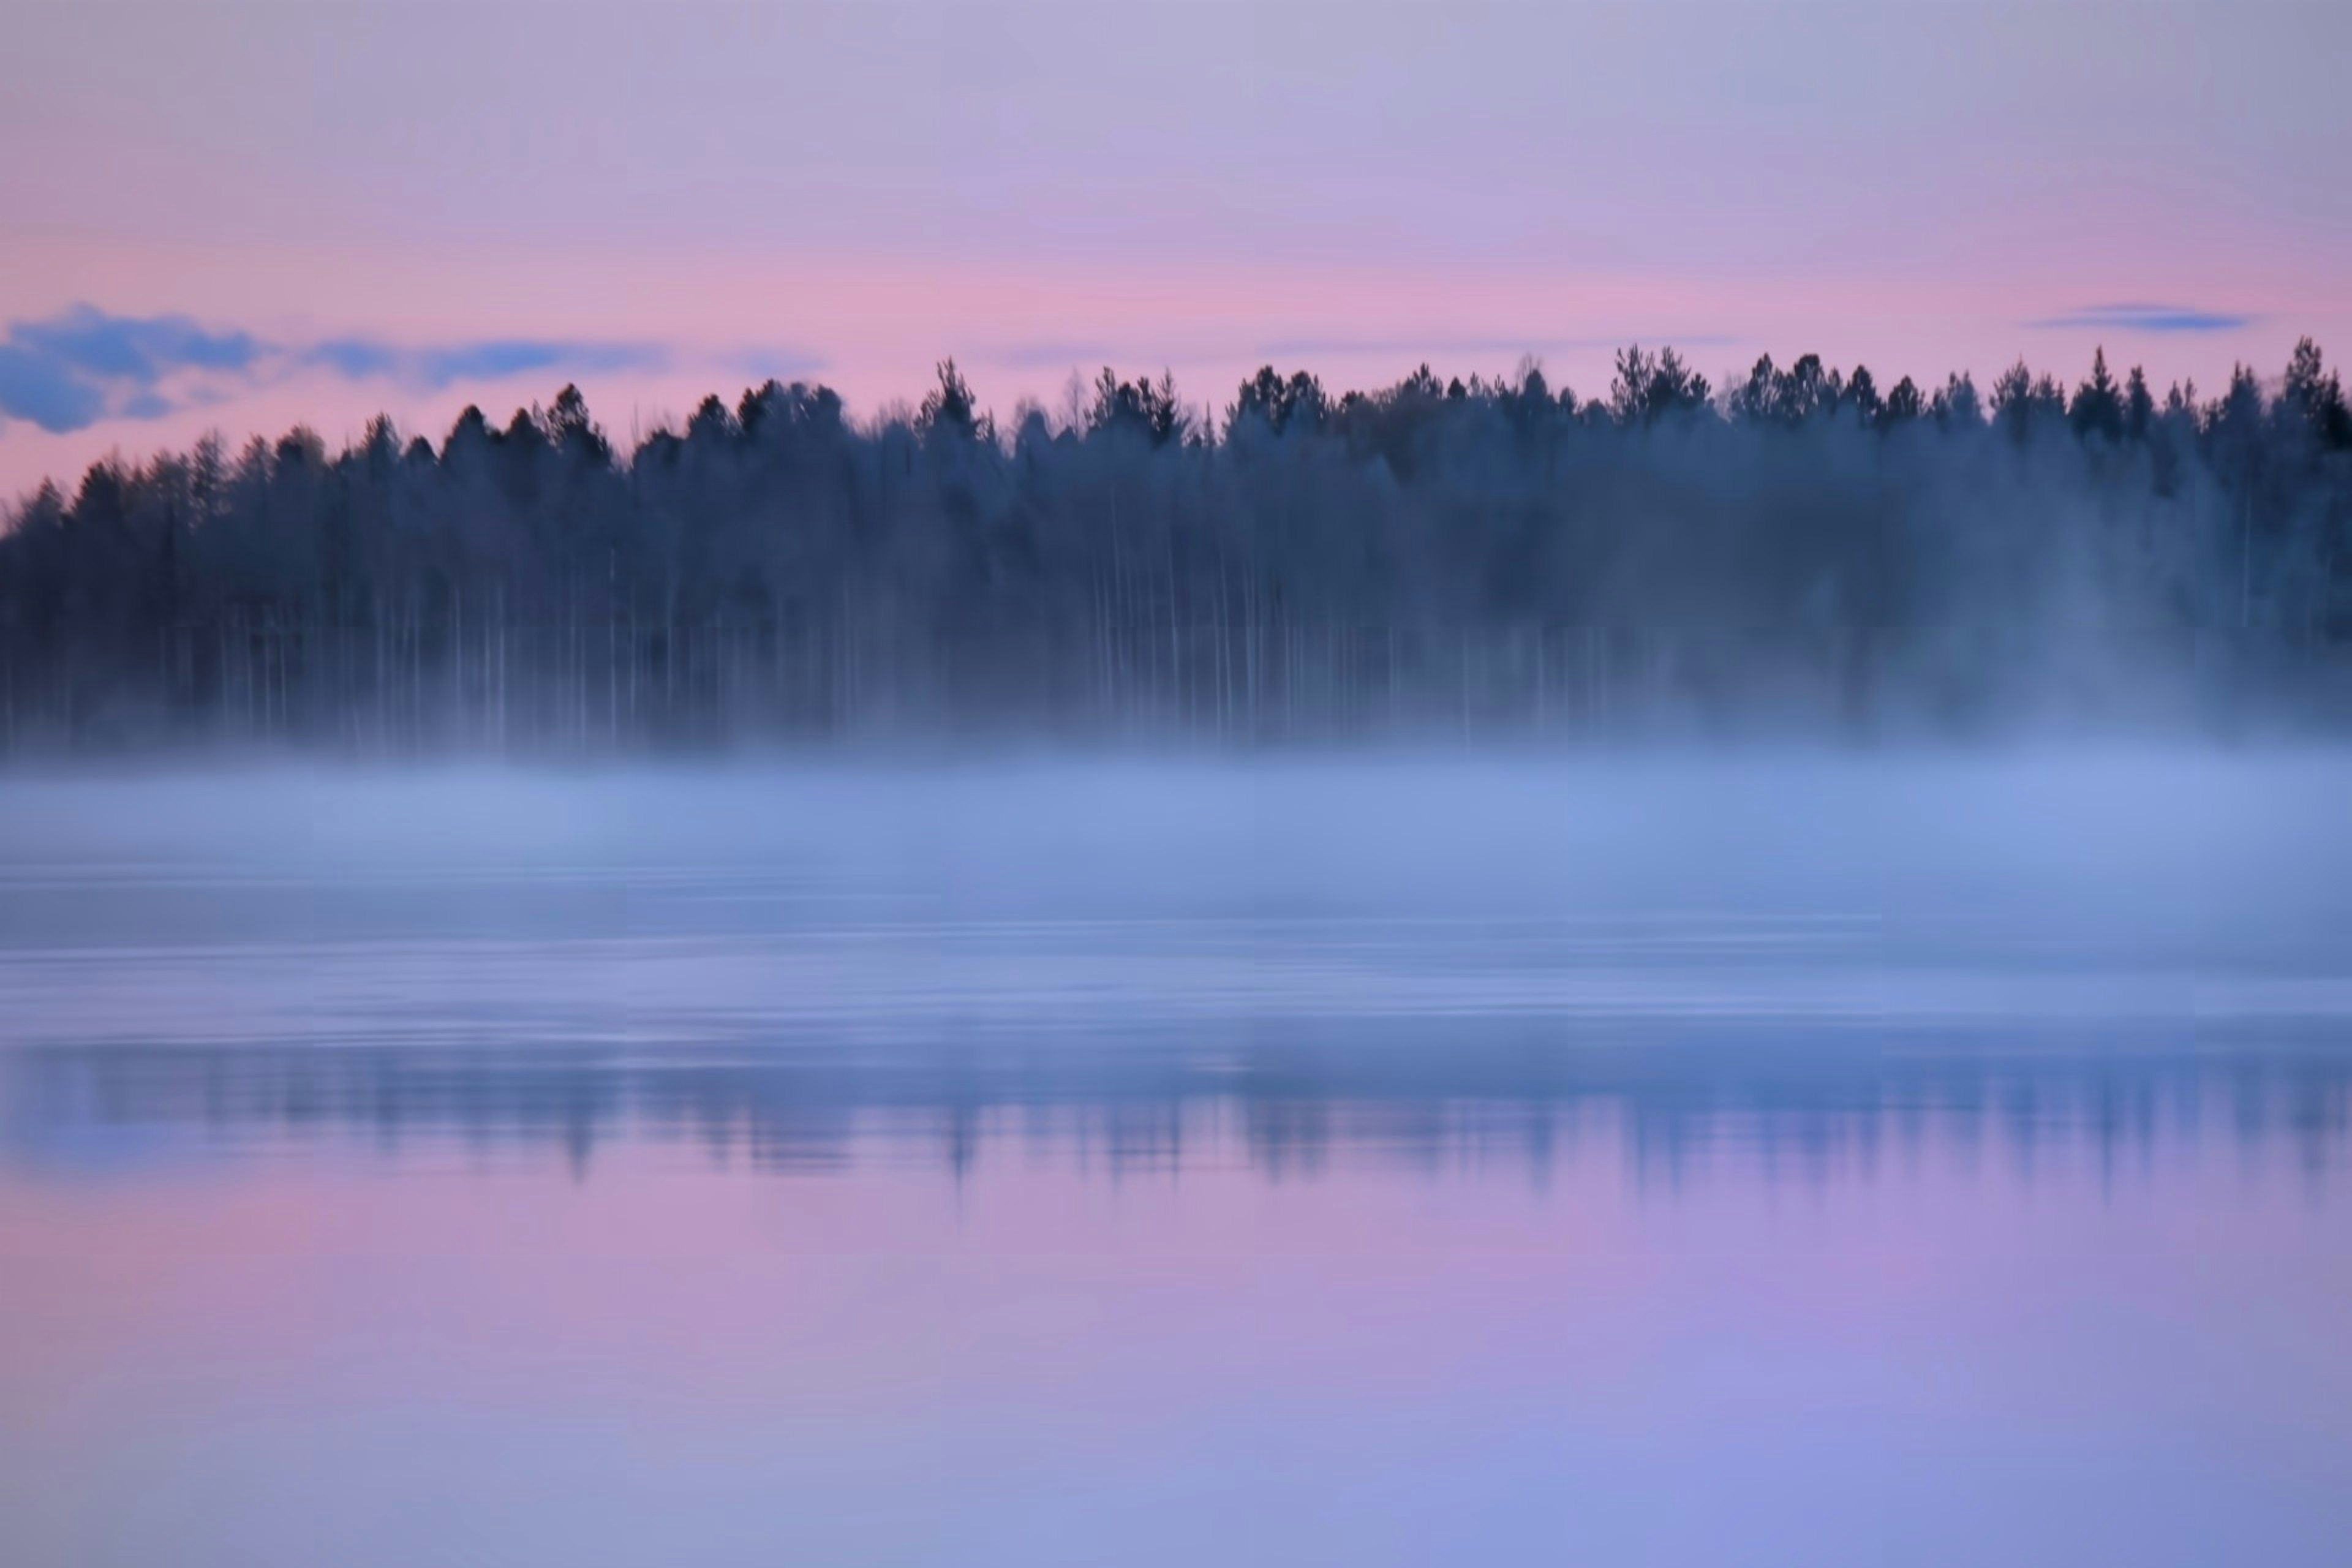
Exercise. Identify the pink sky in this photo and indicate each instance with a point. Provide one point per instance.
(666, 203)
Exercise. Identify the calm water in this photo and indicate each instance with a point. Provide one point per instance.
(1780, 1161)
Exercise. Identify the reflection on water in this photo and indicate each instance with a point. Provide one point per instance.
(1282, 1100)
(1913, 1169)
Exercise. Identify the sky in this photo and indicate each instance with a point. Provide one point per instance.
(241, 216)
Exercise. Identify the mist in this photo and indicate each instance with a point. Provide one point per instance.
(559, 954)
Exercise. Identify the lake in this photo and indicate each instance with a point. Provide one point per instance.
(1748, 1158)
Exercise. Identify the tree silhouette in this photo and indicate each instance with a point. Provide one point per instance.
(2098, 406)
(1462, 554)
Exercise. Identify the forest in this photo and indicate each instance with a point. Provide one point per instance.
(1801, 551)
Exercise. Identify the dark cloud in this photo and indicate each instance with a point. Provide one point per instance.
(36, 387)
(83, 365)
(513, 356)
(353, 358)
(2146, 319)
(440, 366)
(132, 348)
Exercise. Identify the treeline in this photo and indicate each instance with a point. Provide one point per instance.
(1470, 558)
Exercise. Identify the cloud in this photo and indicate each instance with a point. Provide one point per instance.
(489, 359)
(2146, 319)
(354, 359)
(36, 387)
(83, 365)
(513, 356)
(136, 348)
(69, 371)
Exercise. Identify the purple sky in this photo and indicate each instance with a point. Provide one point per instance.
(237, 216)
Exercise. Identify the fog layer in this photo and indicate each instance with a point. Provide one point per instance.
(2095, 941)
(2242, 850)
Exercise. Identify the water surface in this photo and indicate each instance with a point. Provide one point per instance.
(1919, 1159)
